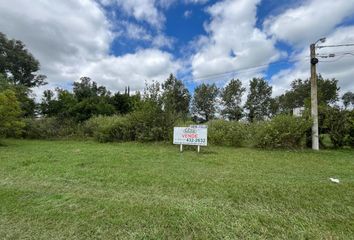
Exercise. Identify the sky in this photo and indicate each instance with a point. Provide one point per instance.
(121, 43)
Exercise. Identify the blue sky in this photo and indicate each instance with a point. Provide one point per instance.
(120, 43)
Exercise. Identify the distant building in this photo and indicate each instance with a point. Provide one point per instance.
(297, 112)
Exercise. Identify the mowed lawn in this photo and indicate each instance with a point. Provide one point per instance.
(88, 190)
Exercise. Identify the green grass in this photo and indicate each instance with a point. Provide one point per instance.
(87, 190)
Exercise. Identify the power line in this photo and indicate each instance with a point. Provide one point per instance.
(246, 69)
(339, 58)
(257, 67)
(337, 45)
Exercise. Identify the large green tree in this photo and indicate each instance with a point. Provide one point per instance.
(88, 99)
(204, 101)
(231, 97)
(175, 97)
(300, 93)
(19, 65)
(259, 100)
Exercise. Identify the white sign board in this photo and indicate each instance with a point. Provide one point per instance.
(193, 135)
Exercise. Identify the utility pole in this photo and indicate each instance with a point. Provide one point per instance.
(314, 104)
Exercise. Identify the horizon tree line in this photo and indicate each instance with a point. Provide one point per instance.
(18, 73)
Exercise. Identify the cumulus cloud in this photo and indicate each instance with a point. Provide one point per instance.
(132, 69)
(339, 67)
(310, 21)
(142, 10)
(305, 24)
(233, 42)
(72, 38)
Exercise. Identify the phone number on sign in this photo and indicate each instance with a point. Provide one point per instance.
(196, 140)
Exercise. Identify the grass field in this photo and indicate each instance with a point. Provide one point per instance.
(87, 190)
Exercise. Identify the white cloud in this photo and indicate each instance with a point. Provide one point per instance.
(196, 1)
(132, 69)
(142, 10)
(72, 39)
(310, 21)
(233, 41)
(188, 14)
(305, 24)
(339, 67)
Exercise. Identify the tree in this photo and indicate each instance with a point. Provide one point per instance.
(87, 100)
(86, 88)
(18, 65)
(23, 96)
(152, 93)
(91, 100)
(231, 97)
(300, 94)
(348, 99)
(175, 97)
(259, 100)
(10, 114)
(61, 107)
(122, 103)
(204, 101)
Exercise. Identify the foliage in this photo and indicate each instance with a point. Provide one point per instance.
(175, 97)
(124, 103)
(87, 100)
(10, 113)
(348, 99)
(350, 119)
(151, 123)
(227, 133)
(300, 94)
(18, 65)
(23, 96)
(283, 131)
(258, 100)
(50, 128)
(204, 101)
(110, 128)
(231, 97)
(336, 124)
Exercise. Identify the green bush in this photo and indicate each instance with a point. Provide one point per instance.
(109, 128)
(146, 124)
(336, 123)
(350, 118)
(150, 123)
(11, 124)
(282, 131)
(50, 128)
(227, 133)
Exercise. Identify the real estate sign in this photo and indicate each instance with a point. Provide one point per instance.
(193, 135)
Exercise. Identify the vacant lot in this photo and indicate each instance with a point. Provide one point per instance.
(86, 190)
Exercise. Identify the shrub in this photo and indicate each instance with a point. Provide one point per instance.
(11, 124)
(109, 128)
(282, 131)
(150, 123)
(227, 133)
(337, 125)
(350, 118)
(49, 128)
